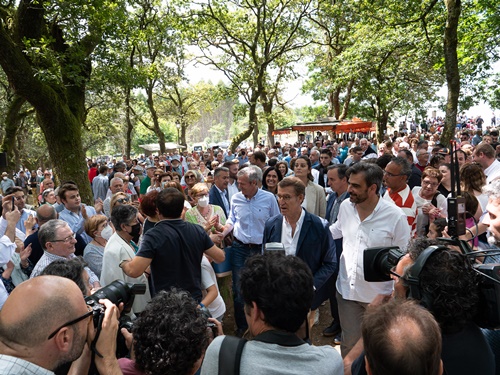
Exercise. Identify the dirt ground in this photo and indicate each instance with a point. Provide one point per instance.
(229, 325)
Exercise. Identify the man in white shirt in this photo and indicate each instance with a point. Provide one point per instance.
(365, 220)
(485, 156)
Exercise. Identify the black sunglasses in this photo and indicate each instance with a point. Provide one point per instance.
(74, 321)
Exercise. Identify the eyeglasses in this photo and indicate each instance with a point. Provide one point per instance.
(190, 176)
(392, 174)
(286, 198)
(123, 200)
(90, 312)
(67, 239)
(157, 175)
(428, 183)
(393, 272)
(202, 195)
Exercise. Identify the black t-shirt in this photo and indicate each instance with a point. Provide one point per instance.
(467, 352)
(176, 248)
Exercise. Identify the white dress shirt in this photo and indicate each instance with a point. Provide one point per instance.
(385, 226)
(493, 171)
(287, 239)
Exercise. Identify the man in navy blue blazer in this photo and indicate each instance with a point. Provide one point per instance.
(303, 234)
(218, 194)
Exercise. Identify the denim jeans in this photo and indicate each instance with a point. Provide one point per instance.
(239, 254)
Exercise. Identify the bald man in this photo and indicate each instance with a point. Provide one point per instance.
(45, 324)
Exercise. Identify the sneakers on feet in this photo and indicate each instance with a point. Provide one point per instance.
(332, 330)
(337, 340)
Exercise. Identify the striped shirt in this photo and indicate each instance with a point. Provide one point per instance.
(404, 199)
(48, 258)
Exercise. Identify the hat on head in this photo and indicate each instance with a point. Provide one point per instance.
(151, 166)
(176, 157)
(5, 174)
(138, 168)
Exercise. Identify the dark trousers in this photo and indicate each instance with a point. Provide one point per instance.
(239, 254)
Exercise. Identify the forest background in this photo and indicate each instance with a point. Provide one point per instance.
(104, 76)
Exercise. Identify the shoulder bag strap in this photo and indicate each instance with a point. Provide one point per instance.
(230, 355)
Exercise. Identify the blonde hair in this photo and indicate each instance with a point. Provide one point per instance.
(93, 222)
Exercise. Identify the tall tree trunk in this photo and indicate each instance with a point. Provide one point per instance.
(347, 101)
(382, 120)
(12, 122)
(156, 124)
(183, 135)
(63, 134)
(453, 8)
(336, 102)
(252, 123)
(267, 106)
(256, 134)
(330, 111)
(130, 127)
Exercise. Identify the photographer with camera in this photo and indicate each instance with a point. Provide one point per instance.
(46, 324)
(444, 282)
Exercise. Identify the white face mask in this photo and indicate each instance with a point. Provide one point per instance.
(4, 178)
(107, 232)
(203, 202)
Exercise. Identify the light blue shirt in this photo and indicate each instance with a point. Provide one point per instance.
(76, 221)
(248, 216)
(25, 213)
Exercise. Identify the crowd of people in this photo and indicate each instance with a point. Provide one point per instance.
(290, 223)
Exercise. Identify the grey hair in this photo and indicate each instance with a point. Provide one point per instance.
(404, 164)
(114, 179)
(48, 231)
(421, 151)
(253, 173)
(122, 214)
(492, 190)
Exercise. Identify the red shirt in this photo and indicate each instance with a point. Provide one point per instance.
(93, 172)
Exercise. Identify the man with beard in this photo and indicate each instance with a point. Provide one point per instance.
(232, 186)
(45, 325)
(365, 220)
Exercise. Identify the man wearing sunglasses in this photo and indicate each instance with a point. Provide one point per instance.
(29, 347)
(396, 175)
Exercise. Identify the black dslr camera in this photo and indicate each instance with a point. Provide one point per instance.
(117, 292)
(378, 262)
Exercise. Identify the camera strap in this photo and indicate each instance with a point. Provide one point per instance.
(232, 348)
(96, 338)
